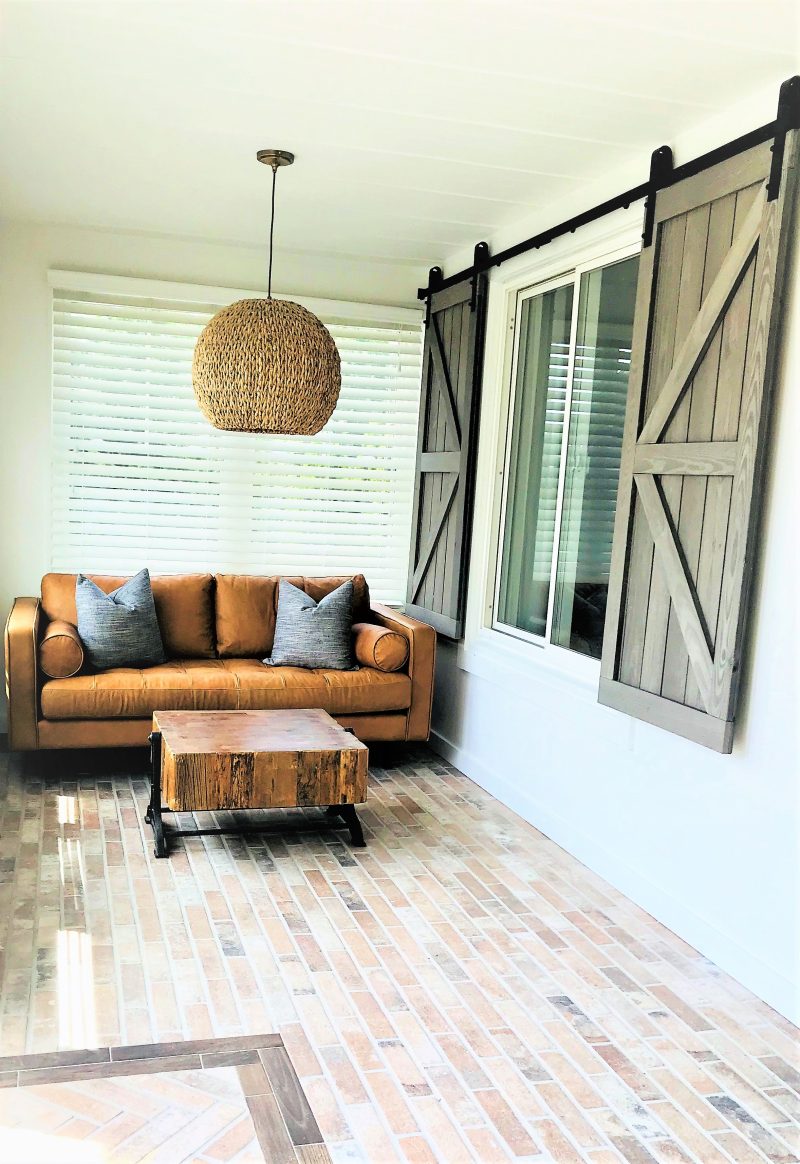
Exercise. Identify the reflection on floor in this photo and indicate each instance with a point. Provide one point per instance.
(462, 989)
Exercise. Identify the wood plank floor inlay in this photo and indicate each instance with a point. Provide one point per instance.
(208, 1101)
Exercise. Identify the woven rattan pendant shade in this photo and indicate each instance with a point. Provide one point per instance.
(266, 365)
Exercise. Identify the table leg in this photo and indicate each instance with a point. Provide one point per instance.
(348, 814)
(153, 814)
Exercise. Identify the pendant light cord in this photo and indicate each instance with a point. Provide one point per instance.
(271, 229)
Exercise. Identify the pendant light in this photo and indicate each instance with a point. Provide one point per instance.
(267, 365)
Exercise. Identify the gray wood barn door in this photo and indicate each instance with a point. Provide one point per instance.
(446, 453)
(685, 537)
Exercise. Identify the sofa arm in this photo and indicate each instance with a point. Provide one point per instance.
(421, 665)
(22, 678)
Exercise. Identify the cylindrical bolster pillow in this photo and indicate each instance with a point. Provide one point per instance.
(61, 650)
(376, 646)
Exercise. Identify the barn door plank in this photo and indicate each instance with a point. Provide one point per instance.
(651, 358)
(435, 530)
(689, 300)
(700, 398)
(694, 450)
(753, 426)
(684, 603)
(725, 426)
(446, 455)
(689, 457)
(456, 529)
(442, 361)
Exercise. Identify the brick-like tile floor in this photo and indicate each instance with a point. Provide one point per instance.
(460, 990)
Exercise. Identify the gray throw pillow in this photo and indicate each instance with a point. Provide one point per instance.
(119, 629)
(313, 634)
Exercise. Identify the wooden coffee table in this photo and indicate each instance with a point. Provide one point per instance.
(210, 761)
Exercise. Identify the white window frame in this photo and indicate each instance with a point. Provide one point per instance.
(487, 652)
(569, 278)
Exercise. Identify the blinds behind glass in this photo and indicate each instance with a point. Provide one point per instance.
(141, 478)
(555, 408)
(597, 417)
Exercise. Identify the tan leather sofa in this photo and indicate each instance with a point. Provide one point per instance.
(216, 630)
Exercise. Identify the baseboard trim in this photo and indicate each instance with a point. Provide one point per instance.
(726, 952)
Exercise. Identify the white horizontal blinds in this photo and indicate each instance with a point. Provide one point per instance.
(141, 478)
(341, 501)
(597, 417)
(557, 388)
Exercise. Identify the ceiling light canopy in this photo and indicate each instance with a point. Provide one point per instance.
(267, 365)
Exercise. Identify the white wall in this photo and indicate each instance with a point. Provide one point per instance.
(26, 253)
(706, 843)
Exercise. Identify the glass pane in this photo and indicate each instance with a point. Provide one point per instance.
(537, 427)
(597, 416)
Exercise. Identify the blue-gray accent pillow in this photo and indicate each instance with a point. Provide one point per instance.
(119, 629)
(313, 634)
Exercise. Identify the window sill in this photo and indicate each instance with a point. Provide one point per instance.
(500, 659)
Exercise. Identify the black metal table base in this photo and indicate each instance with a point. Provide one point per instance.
(336, 816)
(350, 818)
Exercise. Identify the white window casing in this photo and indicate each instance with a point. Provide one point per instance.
(487, 650)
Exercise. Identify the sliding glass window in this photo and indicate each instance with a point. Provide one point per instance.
(567, 412)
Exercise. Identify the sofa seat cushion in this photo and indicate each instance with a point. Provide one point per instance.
(131, 692)
(337, 692)
(222, 685)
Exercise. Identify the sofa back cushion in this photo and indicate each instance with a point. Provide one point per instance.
(119, 629)
(313, 634)
(246, 607)
(184, 605)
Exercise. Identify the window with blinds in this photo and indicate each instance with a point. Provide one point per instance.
(570, 379)
(140, 478)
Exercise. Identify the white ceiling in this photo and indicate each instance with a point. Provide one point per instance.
(419, 127)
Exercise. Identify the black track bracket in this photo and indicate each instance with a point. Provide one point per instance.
(788, 118)
(434, 282)
(479, 264)
(661, 166)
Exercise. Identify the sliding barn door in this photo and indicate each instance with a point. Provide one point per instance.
(686, 530)
(446, 452)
